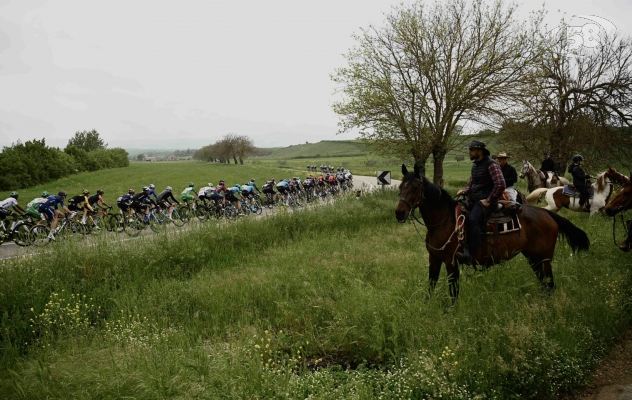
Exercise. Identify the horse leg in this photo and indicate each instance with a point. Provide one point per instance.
(434, 271)
(543, 271)
(453, 281)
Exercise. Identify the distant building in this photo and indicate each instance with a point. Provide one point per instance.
(172, 158)
(151, 158)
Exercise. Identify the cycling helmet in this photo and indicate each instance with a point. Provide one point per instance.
(191, 184)
(100, 191)
(45, 194)
(209, 184)
(85, 192)
(15, 195)
(252, 180)
(221, 182)
(169, 188)
(152, 186)
(238, 186)
(131, 191)
(271, 179)
(145, 189)
(61, 193)
(577, 158)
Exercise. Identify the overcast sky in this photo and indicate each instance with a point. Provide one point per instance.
(178, 74)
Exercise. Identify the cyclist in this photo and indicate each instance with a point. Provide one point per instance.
(32, 209)
(253, 184)
(283, 188)
(204, 193)
(152, 190)
(189, 194)
(215, 197)
(310, 184)
(141, 202)
(233, 195)
(125, 201)
(268, 189)
(248, 192)
(47, 209)
(221, 188)
(6, 204)
(76, 204)
(333, 182)
(96, 200)
(166, 200)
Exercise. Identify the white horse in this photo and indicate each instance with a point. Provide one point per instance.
(537, 180)
(557, 200)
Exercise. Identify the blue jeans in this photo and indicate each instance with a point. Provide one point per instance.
(476, 223)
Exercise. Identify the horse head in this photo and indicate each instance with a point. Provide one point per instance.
(526, 167)
(623, 199)
(410, 193)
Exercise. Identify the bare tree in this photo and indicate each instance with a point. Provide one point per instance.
(577, 101)
(410, 83)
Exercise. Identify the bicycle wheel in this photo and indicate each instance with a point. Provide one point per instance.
(202, 214)
(177, 218)
(258, 207)
(132, 226)
(156, 224)
(115, 223)
(21, 233)
(73, 231)
(39, 235)
(184, 213)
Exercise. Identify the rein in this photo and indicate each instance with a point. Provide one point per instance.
(614, 225)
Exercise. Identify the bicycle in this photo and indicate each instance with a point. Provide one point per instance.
(19, 234)
(68, 229)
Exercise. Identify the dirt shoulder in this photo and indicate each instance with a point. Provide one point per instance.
(612, 380)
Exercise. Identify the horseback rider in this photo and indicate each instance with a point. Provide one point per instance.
(548, 164)
(579, 181)
(485, 188)
(509, 173)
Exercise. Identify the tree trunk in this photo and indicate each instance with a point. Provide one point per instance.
(235, 158)
(438, 155)
(421, 164)
(241, 161)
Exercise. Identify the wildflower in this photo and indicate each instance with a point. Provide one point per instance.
(456, 363)
(257, 346)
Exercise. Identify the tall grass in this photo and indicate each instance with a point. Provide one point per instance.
(329, 303)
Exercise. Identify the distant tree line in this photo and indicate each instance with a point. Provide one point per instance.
(230, 146)
(33, 163)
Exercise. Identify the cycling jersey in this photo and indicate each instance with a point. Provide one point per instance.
(53, 202)
(142, 197)
(205, 191)
(7, 203)
(167, 195)
(252, 184)
(94, 199)
(152, 191)
(125, 199)
(187, 194)
(74, 203)
(221, 188)
(32, 208)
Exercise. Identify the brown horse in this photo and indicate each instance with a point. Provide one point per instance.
(536, 240)
(622, 201)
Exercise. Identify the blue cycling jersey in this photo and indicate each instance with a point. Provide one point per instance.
(284, 183)
(152, 191)
(234, 190)
(248, 189)
(126, 198)
(53, 201)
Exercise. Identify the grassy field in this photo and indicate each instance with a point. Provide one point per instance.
(118, 181)
(328, 303)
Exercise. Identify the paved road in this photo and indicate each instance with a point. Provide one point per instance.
(11, 250)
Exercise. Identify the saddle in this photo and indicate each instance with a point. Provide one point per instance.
(503, 220)
(571, 191)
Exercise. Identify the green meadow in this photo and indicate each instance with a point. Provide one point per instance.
(326, 303)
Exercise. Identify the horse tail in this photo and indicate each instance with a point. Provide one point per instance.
(536, 195)
(575, 237)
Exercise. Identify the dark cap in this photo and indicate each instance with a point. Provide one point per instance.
(546, 152)
(479, 145)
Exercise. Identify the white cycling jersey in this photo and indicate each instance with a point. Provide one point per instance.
(204, 190)
(10, 202)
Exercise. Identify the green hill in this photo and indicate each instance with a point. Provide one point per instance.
(325, 148)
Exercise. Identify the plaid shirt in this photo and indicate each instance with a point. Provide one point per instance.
(499, 182)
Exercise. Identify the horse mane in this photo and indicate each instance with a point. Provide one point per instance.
(601, 181)
(434, 196)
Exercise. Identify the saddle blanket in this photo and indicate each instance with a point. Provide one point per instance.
(509, 226)
(568, 192)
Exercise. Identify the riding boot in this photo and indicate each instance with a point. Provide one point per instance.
(627, 243)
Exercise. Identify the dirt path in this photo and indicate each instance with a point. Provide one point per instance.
(612, 380)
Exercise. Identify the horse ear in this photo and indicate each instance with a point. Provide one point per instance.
(404, 169)
(417, 171)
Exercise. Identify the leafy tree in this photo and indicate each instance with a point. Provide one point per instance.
(140, 157)
(410, 83)
(577, 101)
(87, 140)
